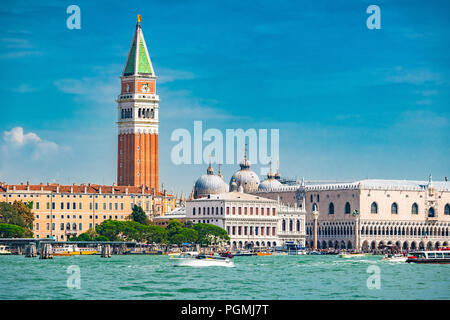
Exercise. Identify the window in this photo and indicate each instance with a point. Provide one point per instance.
(240, 210)
(61, 226)
(245, 210)
(394, 208)
(431, 212)
(414, 209)
(193, 211)
(268, 211)
(80, 206)
(374, 207)
(331, 208)
(347, 208)
(68, 205)
(447, 209)
(62, 205)
(221, 210)
(273, 211)
(37, 205)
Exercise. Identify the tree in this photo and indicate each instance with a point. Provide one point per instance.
(156, 234)
(110, 229)
(11, 231)
(184, 235)
(210, 234)
(19, 214)
(138, 215)
(188, 224)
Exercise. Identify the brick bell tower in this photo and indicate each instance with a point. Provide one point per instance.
(138, 105)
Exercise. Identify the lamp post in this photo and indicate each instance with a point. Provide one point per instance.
(356, 215)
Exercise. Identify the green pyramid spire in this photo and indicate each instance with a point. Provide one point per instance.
(143, 65)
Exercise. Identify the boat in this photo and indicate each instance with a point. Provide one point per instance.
(314, 253)
(429, 256)
(263, 253)
(243, 253)
(395, 258)
(294, 249)
(194, 259)
(4, 250)
(72, 250)
(353, 255)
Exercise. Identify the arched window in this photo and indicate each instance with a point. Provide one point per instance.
(347, 208)
(415, 208)
(193, 211)
(68, 226)
(284, 225)
(331, 208)
(431, 212)
(314, 207)
(447, 209)
(374, 207)
(290, 225)
(394, 208)
(298, 225)
(74, 226)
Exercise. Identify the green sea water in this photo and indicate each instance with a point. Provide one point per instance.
(270, 277)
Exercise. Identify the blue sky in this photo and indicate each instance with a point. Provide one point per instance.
(350, 102)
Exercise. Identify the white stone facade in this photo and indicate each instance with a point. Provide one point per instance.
(251, 221)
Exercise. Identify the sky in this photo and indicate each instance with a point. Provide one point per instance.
(350, 103)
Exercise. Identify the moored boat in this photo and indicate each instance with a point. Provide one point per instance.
(5, 250)
(263, 253)
(429, 256)
(72, 250)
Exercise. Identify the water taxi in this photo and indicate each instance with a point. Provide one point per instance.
(243, 253)
(5, 250)
(353, 255)
(72, 250)
(395, 258)
(194, 259)
(432, 256)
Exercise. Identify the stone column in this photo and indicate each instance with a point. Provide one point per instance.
(356, 231)
(315, 215)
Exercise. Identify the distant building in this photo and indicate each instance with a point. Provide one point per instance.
(408, 214)
(64, 211)
(250, 221)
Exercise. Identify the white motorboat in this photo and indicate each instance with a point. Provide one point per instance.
(194, 259)
(4, 250)
(395, 258)
(353, 255)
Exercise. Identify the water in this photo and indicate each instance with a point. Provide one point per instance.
(271, 277)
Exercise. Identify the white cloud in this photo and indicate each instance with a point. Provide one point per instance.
(16, 139)
(418, 76)
(169, 75)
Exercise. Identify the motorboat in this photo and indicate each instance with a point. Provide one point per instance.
(261, 253)
(4, 250)
(395, 258)
(353, 255)
(243, 253)
(194, 259)
(429, 256)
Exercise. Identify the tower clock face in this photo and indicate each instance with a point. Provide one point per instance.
(144, 87)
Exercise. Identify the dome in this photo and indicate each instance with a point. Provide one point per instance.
(270, 183)
(245, 177)
(209, 183)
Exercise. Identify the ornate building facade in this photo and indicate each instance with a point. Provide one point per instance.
(138, 107)
(408, 214)
(63, 211)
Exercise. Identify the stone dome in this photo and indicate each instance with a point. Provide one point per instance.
(209, 183)
(245, 177)
(271, 182)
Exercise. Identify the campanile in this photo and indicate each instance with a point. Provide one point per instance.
(138, 106)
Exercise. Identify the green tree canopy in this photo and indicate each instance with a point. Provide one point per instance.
(210, 234)
(184, 235)
(138, 215)
(18, 214)
(11, 231)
